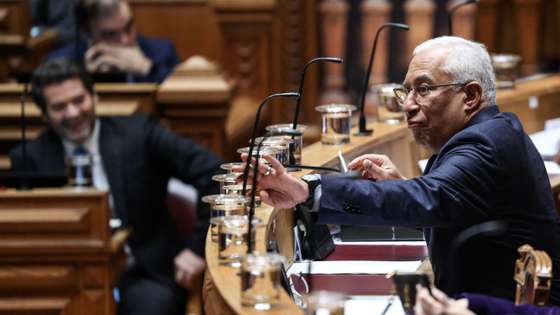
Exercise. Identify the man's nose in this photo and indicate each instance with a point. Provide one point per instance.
(71, 110)
(126, 39)
(409, 105)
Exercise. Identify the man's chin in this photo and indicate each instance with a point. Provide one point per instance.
(76, 137)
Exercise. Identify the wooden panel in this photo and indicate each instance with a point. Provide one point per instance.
(46, 270)
(17, 19)
(35, 306)
(15, 279)
(69, 217)
(44, 220)
(191, 25)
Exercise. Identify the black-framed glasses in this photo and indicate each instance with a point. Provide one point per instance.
(422, 90)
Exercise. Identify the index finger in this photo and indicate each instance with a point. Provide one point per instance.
(276, 165)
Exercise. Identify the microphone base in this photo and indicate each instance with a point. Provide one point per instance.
(364, 133)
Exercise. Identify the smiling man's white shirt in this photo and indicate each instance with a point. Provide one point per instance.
(97, 170)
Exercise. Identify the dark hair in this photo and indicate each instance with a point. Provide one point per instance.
(56, 71)
(87, 10)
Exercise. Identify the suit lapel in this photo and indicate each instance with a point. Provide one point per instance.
(52, 157)
(110, 146)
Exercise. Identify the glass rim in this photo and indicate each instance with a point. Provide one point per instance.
(226, 178)
(336, 108)
(264, 150)
(224, 199)
(279, 128)
(231, 165)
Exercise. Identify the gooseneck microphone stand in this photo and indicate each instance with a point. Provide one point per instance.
(253, 134)
(363, 131)
(302, 81)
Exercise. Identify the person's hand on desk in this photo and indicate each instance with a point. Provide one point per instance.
(375, 167)
(102, 58)
(277, 187)
(187, 266)
(439, 303)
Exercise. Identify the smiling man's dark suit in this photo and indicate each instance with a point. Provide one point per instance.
(139, 156)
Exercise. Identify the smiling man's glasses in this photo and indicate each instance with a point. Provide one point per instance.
(421, 91)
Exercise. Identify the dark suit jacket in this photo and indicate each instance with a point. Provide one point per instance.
(160, 51)
(139, 156)
(488, 171)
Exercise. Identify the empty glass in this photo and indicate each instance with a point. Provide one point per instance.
(335, 123)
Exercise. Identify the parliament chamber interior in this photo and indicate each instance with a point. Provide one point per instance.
(279, 157)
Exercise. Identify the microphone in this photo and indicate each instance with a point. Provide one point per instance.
(363, 131)
(253, 134)
(302, 80)
(452, 11)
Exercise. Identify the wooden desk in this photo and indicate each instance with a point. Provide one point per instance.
(57, 255)
(534, 101)
(222, 286)
(195, 100)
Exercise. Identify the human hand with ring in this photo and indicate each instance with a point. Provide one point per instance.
(277, 187)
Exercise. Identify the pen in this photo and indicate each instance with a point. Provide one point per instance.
(389, 303)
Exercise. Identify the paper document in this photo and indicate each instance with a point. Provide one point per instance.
(547, 142)
(354, 267)
(552, 168)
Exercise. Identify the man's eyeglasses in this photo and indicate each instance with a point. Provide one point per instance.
(423, 90)
(114, 35)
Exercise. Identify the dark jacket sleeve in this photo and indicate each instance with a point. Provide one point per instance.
(163, 55)
(487, 305)
(458, 191)
(193, 164)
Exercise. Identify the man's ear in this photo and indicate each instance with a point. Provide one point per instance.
(473, 96)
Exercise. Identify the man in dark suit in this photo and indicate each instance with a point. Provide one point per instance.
(133, 158)
(485, 168)
(109, 43)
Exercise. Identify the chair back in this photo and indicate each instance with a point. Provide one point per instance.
(533, 274)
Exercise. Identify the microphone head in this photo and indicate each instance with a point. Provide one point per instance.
(399, 25)
(333, 59)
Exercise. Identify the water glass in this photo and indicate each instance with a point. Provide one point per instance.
(233, 238)
(335, 123)
(389, 110)
(261, 280)
(296, 141)
(505, 68)
(325, 303)
(79, 170)
(224, 205)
